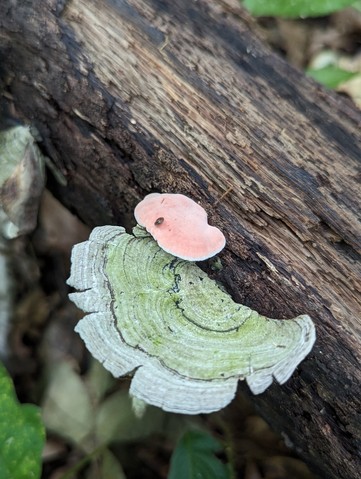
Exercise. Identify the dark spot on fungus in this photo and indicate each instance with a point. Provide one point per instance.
(181, 214)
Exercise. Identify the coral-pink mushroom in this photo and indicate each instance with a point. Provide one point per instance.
(180, 226)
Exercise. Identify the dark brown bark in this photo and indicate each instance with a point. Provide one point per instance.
(133, 96)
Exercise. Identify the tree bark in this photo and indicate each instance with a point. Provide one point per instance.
(134, 96)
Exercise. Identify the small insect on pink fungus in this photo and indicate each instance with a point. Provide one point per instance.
(180, 226)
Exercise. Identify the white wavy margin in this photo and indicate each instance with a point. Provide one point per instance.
(152, 382)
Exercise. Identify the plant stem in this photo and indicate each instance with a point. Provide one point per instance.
(70, 474)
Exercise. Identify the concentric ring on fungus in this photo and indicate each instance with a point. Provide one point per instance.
(163, 319)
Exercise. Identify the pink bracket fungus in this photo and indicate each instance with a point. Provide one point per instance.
(180, 226)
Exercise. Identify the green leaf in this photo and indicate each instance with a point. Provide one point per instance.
(116, 420)
(331, 76)
(67, 409)
(107, 466)
(98, 381)
(295, 8)
(21, 434)
(194, 458)
(357, 6)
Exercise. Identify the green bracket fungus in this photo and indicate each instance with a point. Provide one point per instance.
(187, 342)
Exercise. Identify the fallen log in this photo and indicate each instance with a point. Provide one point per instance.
(133, 96)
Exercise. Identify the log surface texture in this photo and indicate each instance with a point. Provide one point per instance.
(134, 96)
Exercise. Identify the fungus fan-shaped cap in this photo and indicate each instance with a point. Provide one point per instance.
(184, 338)
(180, 226)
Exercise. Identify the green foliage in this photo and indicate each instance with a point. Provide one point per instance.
(67, 409)
(331, 76)
(109, 467)
(295, 8)
(194, 458)
(21, 434)
(81, 410)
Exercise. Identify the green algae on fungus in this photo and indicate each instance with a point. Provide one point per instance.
(187, 342)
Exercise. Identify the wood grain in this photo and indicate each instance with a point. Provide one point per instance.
(133, 96)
